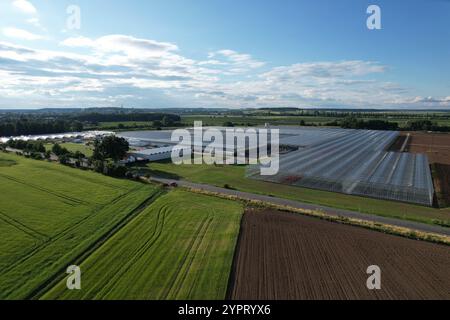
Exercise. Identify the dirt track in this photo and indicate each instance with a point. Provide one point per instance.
(288, 256)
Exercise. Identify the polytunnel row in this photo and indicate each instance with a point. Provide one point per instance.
(357, 163)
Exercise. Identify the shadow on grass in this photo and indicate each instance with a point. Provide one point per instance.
(148, 172)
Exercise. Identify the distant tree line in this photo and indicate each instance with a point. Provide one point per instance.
(24, 126)
(27, 146)
(355, 123)
(426, 125)
(126, 117)
(415, 125)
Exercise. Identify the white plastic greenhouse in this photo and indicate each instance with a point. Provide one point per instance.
(354, 162)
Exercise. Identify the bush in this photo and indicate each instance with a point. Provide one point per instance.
(27, 146)
(64, 159)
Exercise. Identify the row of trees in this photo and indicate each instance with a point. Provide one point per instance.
(416, 125)
(355, 123)
(426, 125)
(125, 117)
(23, 126)
(26, 146)
(107, 152)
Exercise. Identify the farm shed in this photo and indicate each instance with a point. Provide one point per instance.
(155, 154)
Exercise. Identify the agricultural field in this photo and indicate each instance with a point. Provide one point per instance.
(235, 177)
(287, 256)
(132, 240)
(437, 148)
(120, 125)
(180, 247)
(73, 147)
(52, 216)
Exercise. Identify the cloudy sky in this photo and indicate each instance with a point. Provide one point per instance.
(224, 53)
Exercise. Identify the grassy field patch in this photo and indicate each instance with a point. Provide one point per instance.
(74, 147)
(7, 163)
(50, 215)
(180, 247)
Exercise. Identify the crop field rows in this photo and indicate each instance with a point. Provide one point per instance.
(166, 253)
(61, 213)
(287, 256)
(121, 232)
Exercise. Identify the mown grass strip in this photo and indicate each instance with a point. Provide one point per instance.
(380, 227)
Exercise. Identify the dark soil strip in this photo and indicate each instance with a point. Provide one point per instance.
(288, 256)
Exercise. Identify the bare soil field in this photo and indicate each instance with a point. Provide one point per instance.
(441, 174)
(288, 256)
(437, 147)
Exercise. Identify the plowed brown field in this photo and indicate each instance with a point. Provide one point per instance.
(437, 147)
(289, 256)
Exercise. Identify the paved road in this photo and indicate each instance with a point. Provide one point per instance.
(295, 204)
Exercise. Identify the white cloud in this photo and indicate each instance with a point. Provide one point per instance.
(118, 69)
(25, 6)
(78, 42)
(16, 33)
(238, 62)
(121, 43)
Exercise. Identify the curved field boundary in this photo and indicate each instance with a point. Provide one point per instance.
(137, 254)
(181, 247)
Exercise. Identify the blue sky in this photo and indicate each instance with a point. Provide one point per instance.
(225, 53)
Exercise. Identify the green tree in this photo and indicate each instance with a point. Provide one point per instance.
(110, 147)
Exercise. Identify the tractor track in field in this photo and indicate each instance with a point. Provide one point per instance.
(194, 283)
(84, 179)
(60, 274)
(64, 232)
(24, 228)
(65, 199)
(139, 252)
(200, 232)
(192, 256)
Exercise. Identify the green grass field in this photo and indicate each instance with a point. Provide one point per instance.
(132, 240)
(51, 216)
(73, 147)
(180, 247)
(234, 177)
